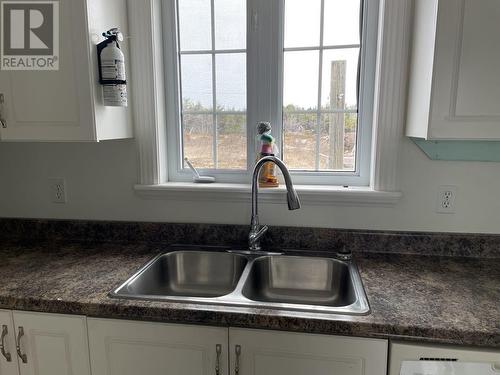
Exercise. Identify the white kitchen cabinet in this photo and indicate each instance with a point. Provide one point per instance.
(66, 104)
(8, 358)
(47, 344)
(454, 90)
(285, 353)
(131, 348)
(52, 344)
(402, 351)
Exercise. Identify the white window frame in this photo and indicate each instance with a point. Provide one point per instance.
(265, 74)
(150, 113)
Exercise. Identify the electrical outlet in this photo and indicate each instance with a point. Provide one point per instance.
(445, 203)
(57, 190)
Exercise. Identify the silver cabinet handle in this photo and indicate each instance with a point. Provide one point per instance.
(237, 351)
(218, 351)
(3, 122)
(23, 357)
(6, 354)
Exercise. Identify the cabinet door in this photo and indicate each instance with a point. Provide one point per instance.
(52, 344)
(131, 348)
(285, 353)
(8, 359)
(466, 88)
(53, 105)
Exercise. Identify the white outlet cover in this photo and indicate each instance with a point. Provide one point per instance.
(57, 190)
(445, 200)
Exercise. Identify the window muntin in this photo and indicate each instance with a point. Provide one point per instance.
(321, 64)
(212, 64)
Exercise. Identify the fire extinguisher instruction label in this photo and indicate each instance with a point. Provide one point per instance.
(113, 70)
(115, 95)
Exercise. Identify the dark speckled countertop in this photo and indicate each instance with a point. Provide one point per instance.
(417, 297)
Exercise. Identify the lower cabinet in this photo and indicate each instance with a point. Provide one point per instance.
(53, 344)
(43, 344)
(8, 356)
(131, 348)
(49, 344)
(256, 352)
(138, 348)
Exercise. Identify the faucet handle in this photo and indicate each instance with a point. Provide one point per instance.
(254, 237)
(261, 232)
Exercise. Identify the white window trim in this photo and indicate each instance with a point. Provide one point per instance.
(265, 83)
(150, 115)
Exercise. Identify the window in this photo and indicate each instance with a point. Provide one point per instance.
(305, 65)
(320, 84)
(212, 64)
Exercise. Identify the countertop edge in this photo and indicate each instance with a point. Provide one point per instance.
(343, 326)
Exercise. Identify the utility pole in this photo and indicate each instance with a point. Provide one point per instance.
(337, 102)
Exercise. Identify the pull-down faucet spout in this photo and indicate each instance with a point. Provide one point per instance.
(256, 231)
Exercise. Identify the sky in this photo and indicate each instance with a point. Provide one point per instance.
(301, 69)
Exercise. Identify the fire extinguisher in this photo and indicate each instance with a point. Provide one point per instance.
(112, 76)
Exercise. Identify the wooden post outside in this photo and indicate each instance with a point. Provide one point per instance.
(337, 120)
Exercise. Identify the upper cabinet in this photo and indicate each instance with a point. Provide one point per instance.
(454, 90)
(65, 104)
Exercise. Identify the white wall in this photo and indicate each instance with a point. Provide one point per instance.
(100, 179)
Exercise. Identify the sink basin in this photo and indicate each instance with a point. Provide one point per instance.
(300, 280)
(257, 280)
(187, 273)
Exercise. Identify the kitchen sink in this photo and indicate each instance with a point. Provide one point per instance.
(188, 273)
(241, 278)
(300, 280)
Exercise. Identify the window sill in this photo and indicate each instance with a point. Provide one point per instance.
(309, 194)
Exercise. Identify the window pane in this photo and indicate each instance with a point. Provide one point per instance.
(299, 151)
(197, 132)
(301, 80)
(302, 23)
(196, 82)
(232, 141)
(231, 82)
(195, 25)
(339, 88)
(338, 141)
(341, 23)
(230, 24)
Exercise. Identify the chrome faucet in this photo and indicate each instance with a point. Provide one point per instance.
(256, 231)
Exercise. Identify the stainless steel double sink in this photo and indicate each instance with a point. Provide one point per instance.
(231, 278)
